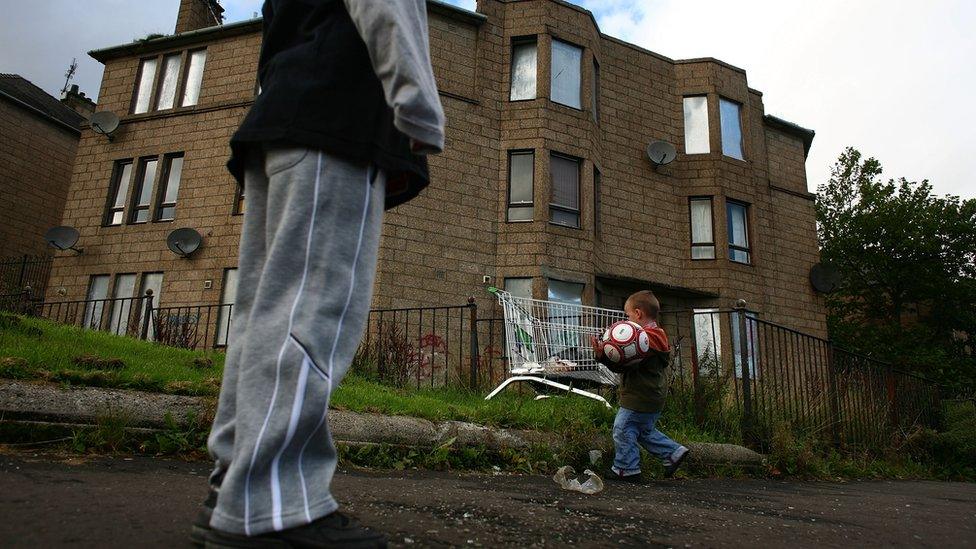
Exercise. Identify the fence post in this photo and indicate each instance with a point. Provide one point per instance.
(834, 396)
(697, 396)
(747, 427)
(148, 317)
(892, 396)
(473, 328)
(23, 271)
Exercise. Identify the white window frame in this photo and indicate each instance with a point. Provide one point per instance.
(731, 126)
(524, 69)
(573, 97)
(696, 124)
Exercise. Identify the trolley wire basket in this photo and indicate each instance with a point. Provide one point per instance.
(548, 342)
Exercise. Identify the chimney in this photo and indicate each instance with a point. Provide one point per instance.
(77, 102)
(198, 14)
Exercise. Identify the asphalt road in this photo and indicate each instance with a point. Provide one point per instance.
(51, 501)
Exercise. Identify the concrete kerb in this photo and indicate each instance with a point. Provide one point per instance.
(43, 402)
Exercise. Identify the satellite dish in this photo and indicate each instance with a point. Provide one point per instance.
(105, 123)
(661, 152)
(184, 242)
(824, 278)
(63, 238)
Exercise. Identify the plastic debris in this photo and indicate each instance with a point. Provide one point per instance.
(595, 456)
(565, 477)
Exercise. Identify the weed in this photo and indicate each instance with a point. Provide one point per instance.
(93, 362)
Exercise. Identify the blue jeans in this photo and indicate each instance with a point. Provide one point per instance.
(631, 429)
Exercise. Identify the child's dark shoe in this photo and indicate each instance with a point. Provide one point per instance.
(614, 476)
(672, 468)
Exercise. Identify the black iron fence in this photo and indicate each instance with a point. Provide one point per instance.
(192, 326)
(758, 377)
(120, 316)
(27, 271)
(731, 370)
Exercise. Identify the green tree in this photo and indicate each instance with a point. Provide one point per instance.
(907, 261)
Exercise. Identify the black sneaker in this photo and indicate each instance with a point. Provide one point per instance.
(335, 530)
(672, 468)
(201, 524)
(612, 475)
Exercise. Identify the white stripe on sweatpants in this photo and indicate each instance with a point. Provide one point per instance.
(335, 342)
(281, 352)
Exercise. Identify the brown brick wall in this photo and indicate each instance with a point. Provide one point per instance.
(35, 170)
(193, 15)
(437, 248)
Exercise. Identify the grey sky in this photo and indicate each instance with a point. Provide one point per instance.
(891, 77)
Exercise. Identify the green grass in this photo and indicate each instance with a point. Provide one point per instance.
(34, 349)
(58, 353)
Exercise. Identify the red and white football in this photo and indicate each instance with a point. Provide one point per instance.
(625, 342)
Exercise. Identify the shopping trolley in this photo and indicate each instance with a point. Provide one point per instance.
(549, 339)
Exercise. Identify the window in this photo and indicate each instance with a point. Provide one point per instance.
(125, 285)
(565, 299)
(166, 96)
(147, 75)
(228, 294)
(708, 338)
(139, 193)
(752, 344)
(738, 222)
(194, 77)
(596, 201)
(160, 91)
(696, 125)
(565, 72)
(731, 128)
(154, 282)
(170, 187)
(95, 301)
(139, 213)
(238, 200)
(520, 188)
(702, 235)
(596, 91)
(564, 202)
(117, 192)
(524, 59)
(519, 287)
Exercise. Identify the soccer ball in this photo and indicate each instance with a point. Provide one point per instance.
(625, 342)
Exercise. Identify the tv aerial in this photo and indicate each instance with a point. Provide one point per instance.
(105, 123)
(661, 153)
(824, 278)
(184, 242)
(63, 238)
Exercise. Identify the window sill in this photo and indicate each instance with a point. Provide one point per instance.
(565, 226)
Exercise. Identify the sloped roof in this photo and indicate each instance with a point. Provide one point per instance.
(22, 91)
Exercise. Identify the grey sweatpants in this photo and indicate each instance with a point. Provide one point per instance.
(305, 279)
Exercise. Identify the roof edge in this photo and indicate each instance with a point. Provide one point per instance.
(140, 47)
(39, 112)
(795, 130)
(146, 46)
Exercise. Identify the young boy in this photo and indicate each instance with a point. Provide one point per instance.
(643, 389)
(348, 107)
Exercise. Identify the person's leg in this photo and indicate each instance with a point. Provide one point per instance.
(250, 264)
(626, 460)
(656, 442)
(324, 219)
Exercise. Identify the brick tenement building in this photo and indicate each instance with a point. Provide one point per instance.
(544, 186)
(37, 150)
